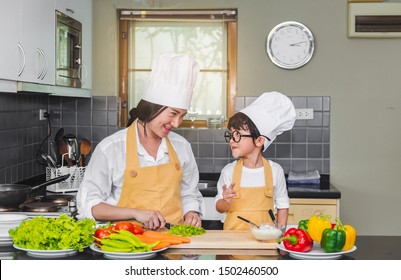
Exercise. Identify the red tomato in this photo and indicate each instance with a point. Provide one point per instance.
(132, 227)
(125, 225)
(137, 229)
(101, 233)
(111, 228)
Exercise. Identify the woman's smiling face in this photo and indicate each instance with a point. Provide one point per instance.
(166, 121)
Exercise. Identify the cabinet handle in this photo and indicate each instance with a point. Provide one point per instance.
(40, 72)
(70, 10)
(24, 60)
(82, 66)
(46, 64)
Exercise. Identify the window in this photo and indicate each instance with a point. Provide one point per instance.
(209, 36)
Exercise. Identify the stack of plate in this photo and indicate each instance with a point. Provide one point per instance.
(7, 222)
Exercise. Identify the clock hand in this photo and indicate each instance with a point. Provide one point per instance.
(297, 44)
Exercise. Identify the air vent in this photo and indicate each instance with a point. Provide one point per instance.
(374, 20)
(378, 23)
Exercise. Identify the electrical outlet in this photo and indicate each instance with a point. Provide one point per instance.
(42, 115)
(304, 114)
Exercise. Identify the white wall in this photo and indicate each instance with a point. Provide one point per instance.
(362, 76)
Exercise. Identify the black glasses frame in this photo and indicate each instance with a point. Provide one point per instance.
(228, 136)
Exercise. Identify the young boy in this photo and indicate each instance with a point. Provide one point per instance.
(252, 185)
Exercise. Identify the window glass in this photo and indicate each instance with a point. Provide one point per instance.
(205, 41)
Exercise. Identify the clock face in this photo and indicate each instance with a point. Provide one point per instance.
(290, 45)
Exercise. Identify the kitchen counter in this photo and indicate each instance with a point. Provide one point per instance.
(368, 248)
(324, 190)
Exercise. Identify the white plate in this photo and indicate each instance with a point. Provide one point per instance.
(48, 254)
(126, 256)
(316, 253)
(10, 218)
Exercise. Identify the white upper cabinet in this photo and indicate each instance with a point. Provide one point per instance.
(37, 41)
(9, 30)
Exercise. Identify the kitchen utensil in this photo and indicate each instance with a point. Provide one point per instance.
(53, 153)
(15, 194)
(273, 217)
(72, 147)
(58, 139)
(248, 221)
(59, 199)
(85, 149)
(63, 150)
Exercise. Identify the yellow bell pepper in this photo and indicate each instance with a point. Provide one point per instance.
(350, 235)
(317, 224)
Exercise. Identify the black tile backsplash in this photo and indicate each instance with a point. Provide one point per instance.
(305, 147)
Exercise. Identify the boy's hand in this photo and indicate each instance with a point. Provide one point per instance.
(229, 193)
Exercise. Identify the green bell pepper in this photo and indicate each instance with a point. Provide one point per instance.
(303, 224)
(333, 240)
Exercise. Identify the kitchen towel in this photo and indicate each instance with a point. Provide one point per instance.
(310, 177)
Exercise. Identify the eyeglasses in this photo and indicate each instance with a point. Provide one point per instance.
(235, 135)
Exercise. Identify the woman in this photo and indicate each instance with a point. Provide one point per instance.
(146, 172)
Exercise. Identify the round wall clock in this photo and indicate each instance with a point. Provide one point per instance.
(290, 45)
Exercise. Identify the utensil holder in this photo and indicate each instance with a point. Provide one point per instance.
(71, 184)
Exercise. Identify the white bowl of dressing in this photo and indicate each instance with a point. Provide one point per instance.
(266, 232)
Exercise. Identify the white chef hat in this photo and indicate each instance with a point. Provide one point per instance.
(272, 113)
(172, 81)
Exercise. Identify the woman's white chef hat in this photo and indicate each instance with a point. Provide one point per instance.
(272, 113)
(172, 81)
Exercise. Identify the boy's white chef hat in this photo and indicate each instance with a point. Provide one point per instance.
(172, 81)
(272, 113)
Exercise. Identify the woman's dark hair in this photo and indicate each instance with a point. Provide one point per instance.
(145, 111)
(241, 121)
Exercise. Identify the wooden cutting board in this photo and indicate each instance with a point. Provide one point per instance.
(226, 239)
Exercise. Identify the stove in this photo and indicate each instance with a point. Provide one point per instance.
(49, 206)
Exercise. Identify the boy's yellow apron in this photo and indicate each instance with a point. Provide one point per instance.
(153, 187)
(252, 203)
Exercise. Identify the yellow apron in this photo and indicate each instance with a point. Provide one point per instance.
(152, 187)
(252, 203)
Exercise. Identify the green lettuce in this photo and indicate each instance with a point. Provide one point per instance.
(60, 233)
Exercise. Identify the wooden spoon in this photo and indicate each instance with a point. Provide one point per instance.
(84, 149)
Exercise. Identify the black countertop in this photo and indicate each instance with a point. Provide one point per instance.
(368, 248)
(322, 190)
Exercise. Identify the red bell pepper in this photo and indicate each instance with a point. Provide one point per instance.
(296, 239)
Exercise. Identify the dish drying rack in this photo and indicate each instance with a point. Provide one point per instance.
(71, 184)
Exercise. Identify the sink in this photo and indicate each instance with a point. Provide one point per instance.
(206, 184)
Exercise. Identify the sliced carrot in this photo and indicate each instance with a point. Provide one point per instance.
(161, 245)
(173, 239)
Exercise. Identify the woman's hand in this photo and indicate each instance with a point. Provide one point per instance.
(192, 218)
(151, 219)
(229, 193)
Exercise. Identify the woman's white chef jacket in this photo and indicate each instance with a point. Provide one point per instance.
(254, 177)
(104, 174)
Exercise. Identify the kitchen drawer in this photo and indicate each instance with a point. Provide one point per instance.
(301, 209)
